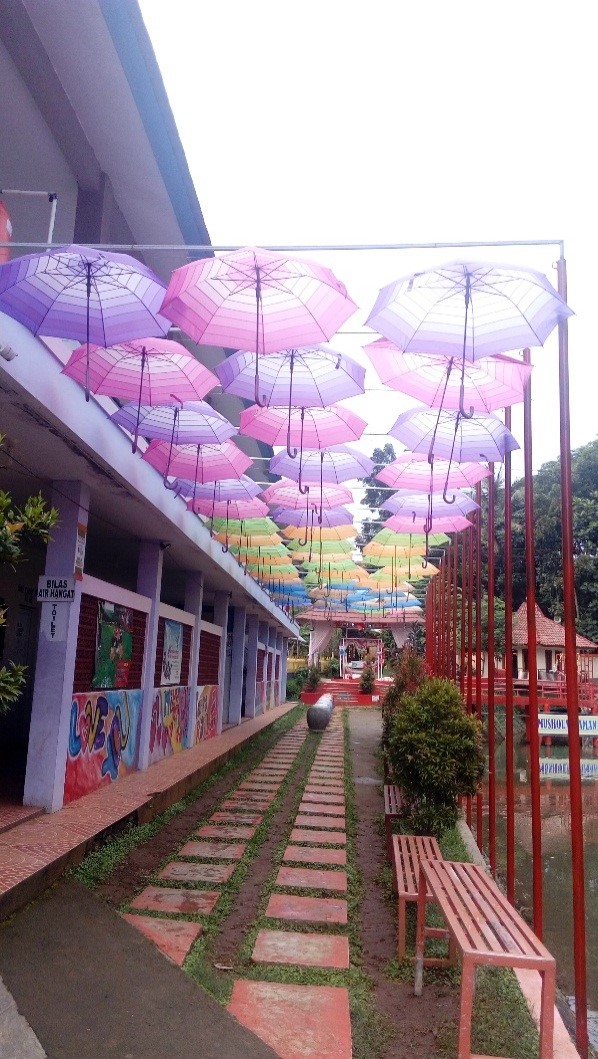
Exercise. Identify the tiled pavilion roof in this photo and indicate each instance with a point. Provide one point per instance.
(548, 632)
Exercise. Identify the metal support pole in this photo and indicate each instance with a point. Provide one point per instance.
(455, 607)
(532, 669)
(463, 612)
(577, 852)
(478, 650)
(491, 674)
(509, 703)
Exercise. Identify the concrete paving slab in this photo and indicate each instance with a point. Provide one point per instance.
(182, 872)
(237, 804)
(329, 799)
(313, 820)
(17, 1039)
(307, 909)
(213, 850)
(318, 838)
(170, 899)
(225, 816)
(297, 1021)
(315, 855)
(173, 937)
(224, 831)
(321, 808)
(305, 950)
(312, 879)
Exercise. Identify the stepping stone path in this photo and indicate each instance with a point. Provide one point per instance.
(296, 1021)
(306, 1021)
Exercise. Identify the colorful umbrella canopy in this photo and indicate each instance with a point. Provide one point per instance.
(147, 370)
(206, 463)
(301, 378)
(433, 504)
(373, 550)
(257, 540)
(390, 538)
(323, 533)
(413, 471)
(451, 436)
(257, 300)
(445, 382)
(193, 422)
(249, 527)
(83, 294)
(338, 516)
(237, 509)
(469, 310)
(287, 494)
(314, 428)
(242, 488)
(341, 547)
(444, 524)
(332, 465)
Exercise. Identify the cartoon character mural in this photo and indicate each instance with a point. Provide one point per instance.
(170, 722)
(206, 725)
(103, 740)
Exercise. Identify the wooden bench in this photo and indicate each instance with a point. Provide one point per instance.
(393, 805)
(406, 853)
(485, 929)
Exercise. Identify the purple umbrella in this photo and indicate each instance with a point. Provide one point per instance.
(451, 436)
(242, 488)
(338, 516)
(418, 524)
(188, 423)
(236, 509)
(84, 294)
(257, 300)
(333, 465)
(300, 378)
(468, 310)
(433, 504)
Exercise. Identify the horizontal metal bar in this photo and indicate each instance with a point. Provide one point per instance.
(203, 248)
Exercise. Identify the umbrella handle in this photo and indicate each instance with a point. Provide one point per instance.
(88, 288)
(448, 500)
(292, 454)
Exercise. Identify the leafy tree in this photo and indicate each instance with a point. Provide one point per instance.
(19, 526)
(376, 494)
(367, 681)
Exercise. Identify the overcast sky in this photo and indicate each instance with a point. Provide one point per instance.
(343, 122)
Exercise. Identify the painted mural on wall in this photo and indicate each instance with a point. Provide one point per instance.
(170, 721)
(114, 645)
(260, 696)
(103, 740)
(206, 725)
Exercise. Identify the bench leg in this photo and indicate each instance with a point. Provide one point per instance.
(401, 928)
(467, 994)
(420, 937)
(547, 1014)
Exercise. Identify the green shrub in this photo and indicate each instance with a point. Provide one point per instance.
(331, 668)
(435, 752)
(313, 679)
(367, 681)
(410, 673)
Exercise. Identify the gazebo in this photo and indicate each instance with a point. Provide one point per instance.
(550, 648)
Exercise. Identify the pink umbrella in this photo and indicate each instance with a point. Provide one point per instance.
(257, 300)
(317, 428)
(240, 509)
(414, 472)
(287, 494)
(418, 523)
(441, 382)
(200, 463)
(149, 371)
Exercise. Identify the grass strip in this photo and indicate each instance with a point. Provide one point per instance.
(98, 865)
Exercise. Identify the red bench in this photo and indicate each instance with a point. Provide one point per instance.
(406, 853)
(485, 929)
(393, 805)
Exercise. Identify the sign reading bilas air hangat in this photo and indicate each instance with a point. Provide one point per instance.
(55, 589)
(556, 724)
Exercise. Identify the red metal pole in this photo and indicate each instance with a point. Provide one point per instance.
(441, 628)
(455, 606)
(532, 668)
(509, 704)
(463, 613)
(491, 674)
(577, 852)
(430, 626)
(478, 651)
(470, 535)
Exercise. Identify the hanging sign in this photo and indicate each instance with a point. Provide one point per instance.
(55, 589)
(172, 655)
(557, 724)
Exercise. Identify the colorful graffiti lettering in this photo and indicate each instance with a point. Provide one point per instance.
(103, 740)
(206, 725)
(170, 722)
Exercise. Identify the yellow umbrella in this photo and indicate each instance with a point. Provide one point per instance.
(334, 533)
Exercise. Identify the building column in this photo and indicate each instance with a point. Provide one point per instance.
(221, 600)
(284, 654)
(193, 605)
(149, 583)
(251, 675)
(56, 653)
(235, 692)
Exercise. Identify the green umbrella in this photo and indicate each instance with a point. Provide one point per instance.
(246, 526)
(409, 540)
(331, 547)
